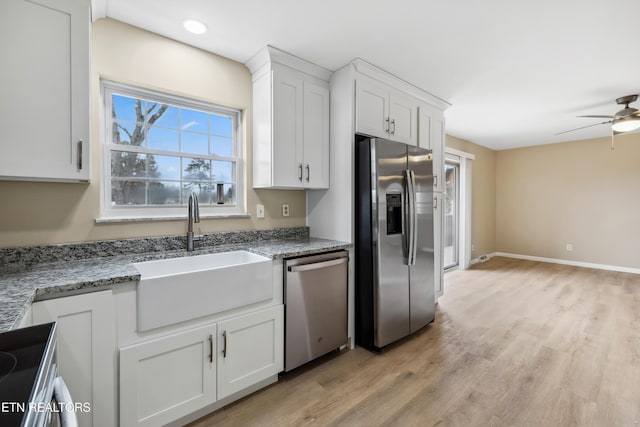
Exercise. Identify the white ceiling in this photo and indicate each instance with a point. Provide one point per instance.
(516, 72)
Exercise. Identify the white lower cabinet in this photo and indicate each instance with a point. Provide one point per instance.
(167, 378)
(86, 350)
(250, 349)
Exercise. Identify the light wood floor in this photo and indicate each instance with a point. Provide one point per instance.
(515, 343)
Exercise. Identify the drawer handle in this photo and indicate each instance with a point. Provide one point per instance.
(79, 155)
(210, 348)
(224, 347)
(308, 174)
(316, 265)
(300, 172)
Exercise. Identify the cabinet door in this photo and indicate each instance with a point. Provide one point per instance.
(287, 155)
(44, 107)
(167, 378)
(250, 349)
(437, 145)
(425, 125)
(438, 246)
(372, 109)
(316, 136)
(403, 111)
(86, 351)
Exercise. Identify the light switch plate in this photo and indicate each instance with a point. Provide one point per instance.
(285, 210)
(260, 211)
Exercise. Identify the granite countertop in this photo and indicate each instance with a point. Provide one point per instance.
(20, 285)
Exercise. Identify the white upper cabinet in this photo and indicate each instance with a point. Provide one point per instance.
(290, 121)
(44, 107)
(384, 112)
(431, 136)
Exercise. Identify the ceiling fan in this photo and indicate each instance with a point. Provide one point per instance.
(625, 120)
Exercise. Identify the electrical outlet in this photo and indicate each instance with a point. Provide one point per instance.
(285, 210)
(260, 211)
(569, 247)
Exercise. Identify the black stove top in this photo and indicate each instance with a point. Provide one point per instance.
(21, 352)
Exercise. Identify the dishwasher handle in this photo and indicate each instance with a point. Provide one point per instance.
(316, 265)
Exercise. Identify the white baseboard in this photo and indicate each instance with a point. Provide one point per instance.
(568, 262)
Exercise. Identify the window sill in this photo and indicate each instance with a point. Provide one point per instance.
(115, 219)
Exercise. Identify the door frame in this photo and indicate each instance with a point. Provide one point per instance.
(464, 245)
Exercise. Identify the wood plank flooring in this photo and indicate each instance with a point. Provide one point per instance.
(515, 343)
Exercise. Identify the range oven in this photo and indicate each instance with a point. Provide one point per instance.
(31, 392)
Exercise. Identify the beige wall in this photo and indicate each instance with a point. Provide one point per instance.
(581, 193)
(44, 213)
(483, 194)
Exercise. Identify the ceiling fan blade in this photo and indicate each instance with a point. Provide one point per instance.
(600, 117)
(583, 127)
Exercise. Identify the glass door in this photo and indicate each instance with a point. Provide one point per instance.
(451, 213)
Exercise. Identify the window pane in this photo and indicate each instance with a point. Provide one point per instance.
(124, 107)
(221, 125)
(164, 193)
(228, 194)
(196, 169)
(124, 133)
(196, 143)
(124, 164)
(221, 146)
(157, 114)
(222, 171)
(163, 139)
(202, 190)
(194, 121)
(164, 167)
(128, 193)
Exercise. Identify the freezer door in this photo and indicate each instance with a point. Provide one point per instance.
(391, 280)
(421, 289)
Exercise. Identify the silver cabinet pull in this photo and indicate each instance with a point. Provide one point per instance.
(435, 203)
(388, 125)
(308, 174)
(210, 348)
(435, 180)
(300, 172)
(393, 122)
(79, 155)
(224, 345)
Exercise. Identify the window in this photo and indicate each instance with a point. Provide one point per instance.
(159, 148)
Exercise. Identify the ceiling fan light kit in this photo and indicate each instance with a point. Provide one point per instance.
(626, 125)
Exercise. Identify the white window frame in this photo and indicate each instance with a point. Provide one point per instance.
(109, 213)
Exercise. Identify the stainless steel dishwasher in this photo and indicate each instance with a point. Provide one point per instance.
(315, 294)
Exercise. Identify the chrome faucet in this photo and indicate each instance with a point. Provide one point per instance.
(194, 216)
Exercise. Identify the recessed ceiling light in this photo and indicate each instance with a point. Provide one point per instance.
(194, 26)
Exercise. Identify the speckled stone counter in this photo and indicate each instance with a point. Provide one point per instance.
(21, 283)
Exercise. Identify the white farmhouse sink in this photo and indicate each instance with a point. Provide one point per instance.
(179, 289)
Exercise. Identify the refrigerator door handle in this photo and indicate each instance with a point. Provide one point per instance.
(414, 220)
(410, 216)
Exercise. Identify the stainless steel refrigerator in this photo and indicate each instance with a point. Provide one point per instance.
(393, 241)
